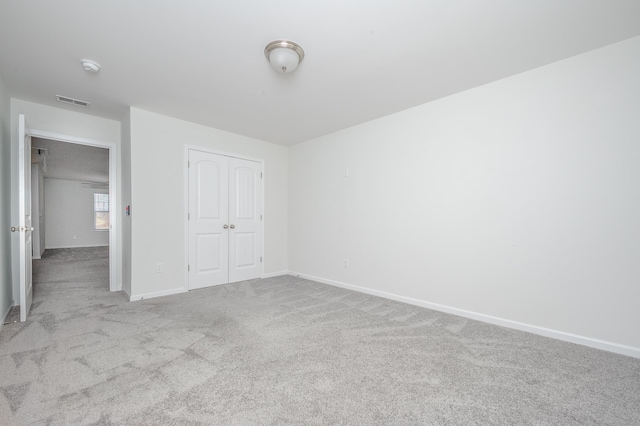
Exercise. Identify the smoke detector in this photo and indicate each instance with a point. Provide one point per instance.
(89, 65)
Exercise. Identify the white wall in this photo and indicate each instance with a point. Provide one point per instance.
(65, 122)
(158, 195)
(6, 287)
(69, 219)
(519, 200)
(37, 209)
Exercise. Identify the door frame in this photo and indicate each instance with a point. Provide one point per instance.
(114, 284)
(185, 200)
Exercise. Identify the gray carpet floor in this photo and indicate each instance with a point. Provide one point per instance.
(286, 350)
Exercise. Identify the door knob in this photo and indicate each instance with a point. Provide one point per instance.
(225, 226)
(232, 226)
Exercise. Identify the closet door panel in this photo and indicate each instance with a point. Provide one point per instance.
(208, 218)
(245, 218)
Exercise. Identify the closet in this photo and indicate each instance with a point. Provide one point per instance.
(224, 219)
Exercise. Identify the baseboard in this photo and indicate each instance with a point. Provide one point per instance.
(34, 257)
(65, 247)
(126, 293)
(542, 331)
(136, 297)
(275, 274)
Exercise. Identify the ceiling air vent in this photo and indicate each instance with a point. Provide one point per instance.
(71, 101)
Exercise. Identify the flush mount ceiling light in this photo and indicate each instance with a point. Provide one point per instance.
(89, 65)
(283, 55)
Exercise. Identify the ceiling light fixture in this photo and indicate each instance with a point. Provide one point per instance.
(89, 65)
(283, 55)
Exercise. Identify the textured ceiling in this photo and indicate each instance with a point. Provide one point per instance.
(203, 61)
(72, 161)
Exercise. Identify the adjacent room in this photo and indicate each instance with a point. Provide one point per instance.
(320, 212)
(70, 193)
(73, 183)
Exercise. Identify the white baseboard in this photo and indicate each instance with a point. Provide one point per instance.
(136, 297)
(542, 331)
(274, 274)
(126, 294)
(85, 246)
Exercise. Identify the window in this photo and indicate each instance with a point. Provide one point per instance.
(101, 212)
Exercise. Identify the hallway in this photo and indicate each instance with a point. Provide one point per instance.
(75, 275)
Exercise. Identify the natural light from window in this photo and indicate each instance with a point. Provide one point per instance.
(101, 212)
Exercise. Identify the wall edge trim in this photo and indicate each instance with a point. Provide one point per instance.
(529, 328)
(136, 297)
(126, 294)
(274, 274)
(66, 247)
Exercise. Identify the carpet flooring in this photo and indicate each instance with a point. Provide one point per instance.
(286, 350)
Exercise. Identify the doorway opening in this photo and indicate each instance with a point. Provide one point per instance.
(75, 182)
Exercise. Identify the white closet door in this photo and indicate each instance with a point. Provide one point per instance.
(208, 219)
(245, 216)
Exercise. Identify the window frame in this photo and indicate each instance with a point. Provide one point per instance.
(97, 201)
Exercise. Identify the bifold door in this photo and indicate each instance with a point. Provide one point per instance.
(225, 219)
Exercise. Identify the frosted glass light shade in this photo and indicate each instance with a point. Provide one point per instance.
(283, 55)
(284, 60)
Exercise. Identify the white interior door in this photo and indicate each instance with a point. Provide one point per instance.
(245, 216)
(208, 219)
(24, 210)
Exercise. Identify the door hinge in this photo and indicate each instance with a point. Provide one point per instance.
(260, 175)
(260, 259)
(188, 268)
(188, 164)
(188, 216)
(260, 217)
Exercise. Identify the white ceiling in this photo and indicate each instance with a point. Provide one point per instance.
(72, 161)
(203, 61)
